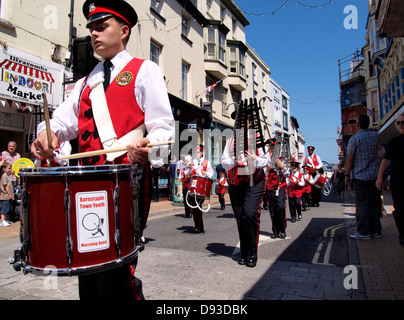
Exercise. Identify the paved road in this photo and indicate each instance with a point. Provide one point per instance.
(178, 264)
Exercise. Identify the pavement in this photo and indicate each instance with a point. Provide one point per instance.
(374, 273)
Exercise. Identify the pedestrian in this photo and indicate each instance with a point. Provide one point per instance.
(199, 167)
(246, 192)
(186, 180)
(313, 161)
(361, 169)
(276, 193)
(339, 181)
(306, 191)
(221, 189)
(295, 183)
(10, 156)
(6, 194)
(394, 159)
(140, 112)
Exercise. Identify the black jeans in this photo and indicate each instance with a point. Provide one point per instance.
(368, 206)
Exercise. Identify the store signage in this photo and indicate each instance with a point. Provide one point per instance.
(25, 78)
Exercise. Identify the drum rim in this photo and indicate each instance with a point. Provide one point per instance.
(200, 176)
(77, 170)
(83, 270)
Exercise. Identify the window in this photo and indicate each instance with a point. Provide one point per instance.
(155, 51)
(254, 73)
(224, 103)
(233, 60)
(285, 121)
(185, 25)
(284, 102)
(211, 44)
(377, 43)
(156, 5)
(222, 47)
(263, 81)
(242, 64)
(208, 5)
(184, 81)
(222, 13)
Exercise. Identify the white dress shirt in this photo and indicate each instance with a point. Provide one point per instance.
(151, 96)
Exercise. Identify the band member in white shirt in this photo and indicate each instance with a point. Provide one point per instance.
(313, 161)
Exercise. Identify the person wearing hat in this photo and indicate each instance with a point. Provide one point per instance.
(123, 102)
(276, 193)
(246, 190)
(313, 161)
(221, 189)
(295, 184)
(306, 192)
(200, 167)
(186, 179)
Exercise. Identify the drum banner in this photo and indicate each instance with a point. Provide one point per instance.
(92, 221)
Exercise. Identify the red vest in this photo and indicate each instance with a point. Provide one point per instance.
(220, 186)
(125, 113)
(295, 190)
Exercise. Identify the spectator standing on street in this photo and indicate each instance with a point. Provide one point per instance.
(10, 156)
(6, 194)
(361, 169)
(339, 181)
(395, 156)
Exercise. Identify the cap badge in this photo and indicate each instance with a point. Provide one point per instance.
(91, 8)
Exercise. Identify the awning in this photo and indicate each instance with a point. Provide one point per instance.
(20, 106)
(27, 70)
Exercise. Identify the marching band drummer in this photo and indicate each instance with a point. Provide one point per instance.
(136, 98)
(306, 192)
(200, 167)
(295, 183)
(245, 197)
(313, 161)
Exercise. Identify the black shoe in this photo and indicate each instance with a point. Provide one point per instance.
(293, 220)
(196, 230)
(282, 235)
(274, 236)
(299, 217)
(251, 261)
(241, 261)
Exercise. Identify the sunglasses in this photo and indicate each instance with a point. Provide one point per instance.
(400, 123)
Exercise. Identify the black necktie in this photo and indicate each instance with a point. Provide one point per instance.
(107, 73)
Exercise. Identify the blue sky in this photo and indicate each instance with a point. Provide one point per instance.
(302, 46)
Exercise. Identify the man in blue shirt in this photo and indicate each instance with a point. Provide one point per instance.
(361, 169)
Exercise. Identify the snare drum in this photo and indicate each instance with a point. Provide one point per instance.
(200, 187)
(320, 181)
(78, 220)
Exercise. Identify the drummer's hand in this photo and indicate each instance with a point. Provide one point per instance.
(139, 153)
(251, 156)
(40, 146)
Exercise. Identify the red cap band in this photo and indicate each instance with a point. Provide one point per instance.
(106, 10)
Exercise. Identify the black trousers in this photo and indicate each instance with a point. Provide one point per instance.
(196, 212)
(368, 206)
(221, 200)
(306, 200)
(187, 208)
(246, 203)
(397, 192)
(295, 207)
(277, 209)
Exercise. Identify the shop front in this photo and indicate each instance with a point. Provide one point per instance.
(24, 79)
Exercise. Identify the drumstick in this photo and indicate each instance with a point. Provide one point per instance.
(105, 151)
(47, 122)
